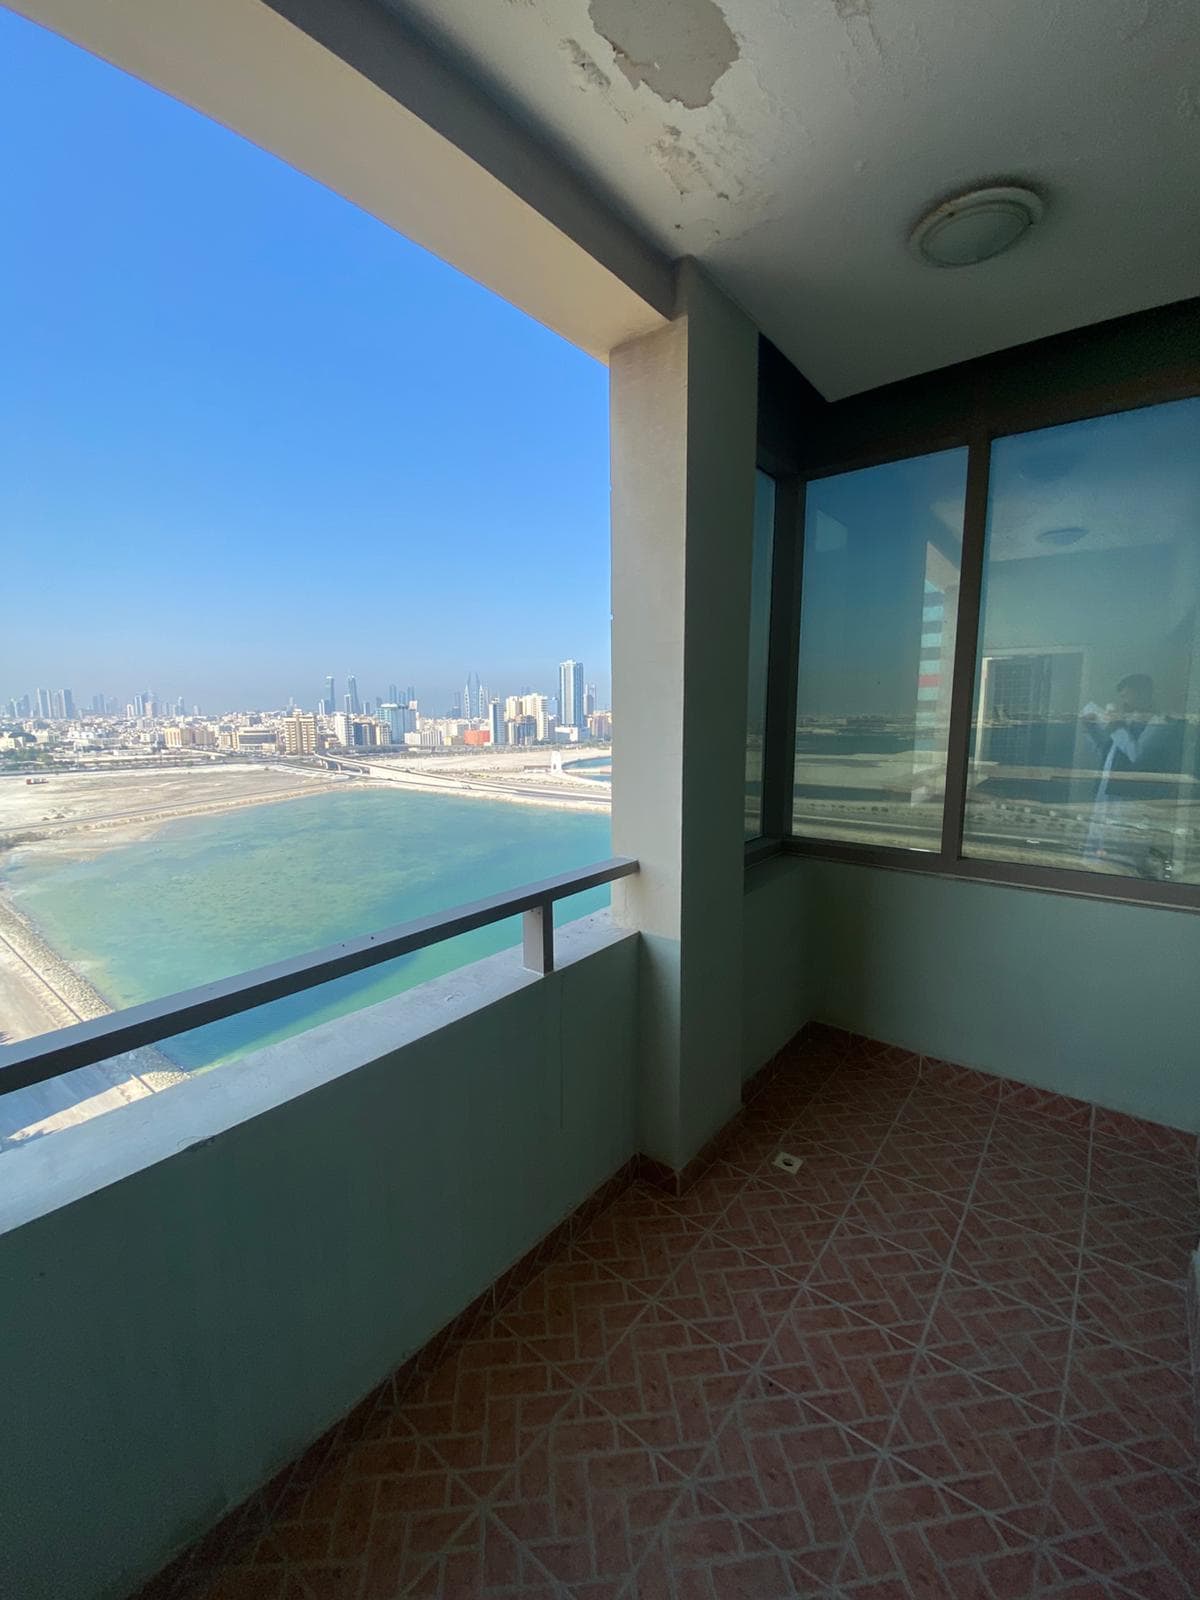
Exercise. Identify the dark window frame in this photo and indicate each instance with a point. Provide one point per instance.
(803, 439)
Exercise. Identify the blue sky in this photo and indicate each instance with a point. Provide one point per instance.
(249, 435)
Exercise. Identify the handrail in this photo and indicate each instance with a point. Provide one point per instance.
(85, 1043)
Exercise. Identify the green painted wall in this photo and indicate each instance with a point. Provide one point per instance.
(172, 1340)
(1086, 997)
(782, 971)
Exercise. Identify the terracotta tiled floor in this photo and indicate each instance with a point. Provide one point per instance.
(947, 1359)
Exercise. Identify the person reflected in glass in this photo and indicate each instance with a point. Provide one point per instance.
(1130, 737)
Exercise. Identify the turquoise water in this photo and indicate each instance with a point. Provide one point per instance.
(212, 896)
(596, 767)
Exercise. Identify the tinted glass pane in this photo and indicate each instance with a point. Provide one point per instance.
(760, 638)
(1087, 715)
(882, 550)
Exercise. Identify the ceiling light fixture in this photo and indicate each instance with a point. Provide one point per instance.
(1061, 537)
(975, 226)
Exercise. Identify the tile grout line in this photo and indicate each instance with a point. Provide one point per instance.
(1044, 1542)
(885, 1453)
(880, 1451)
(756, 1369)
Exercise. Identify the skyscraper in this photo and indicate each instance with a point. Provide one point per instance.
(98, 704)
(496, 722)
(474, 703)
(42, 697)
(589, 699)
(393, 695)
(330, 697)
(398, 719)
(352, 694)
(570, 694)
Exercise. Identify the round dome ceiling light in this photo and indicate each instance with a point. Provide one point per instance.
(1060, 538)
(975, 226)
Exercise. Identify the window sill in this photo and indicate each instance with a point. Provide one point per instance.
(1004, 874)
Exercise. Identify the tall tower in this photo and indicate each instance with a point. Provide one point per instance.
(474, 704)
(42, 697)
(330, 701)
(352, 694)
(570, 694)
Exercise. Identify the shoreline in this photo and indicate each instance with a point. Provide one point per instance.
(42, 991)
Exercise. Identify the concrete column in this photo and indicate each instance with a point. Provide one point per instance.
(683, 445)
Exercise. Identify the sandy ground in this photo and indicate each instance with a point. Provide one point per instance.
(85, 812)
(525, 777)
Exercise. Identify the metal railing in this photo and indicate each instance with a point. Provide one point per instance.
(86, 1043)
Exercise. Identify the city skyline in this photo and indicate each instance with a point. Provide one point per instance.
(472, 703)
(238, 411)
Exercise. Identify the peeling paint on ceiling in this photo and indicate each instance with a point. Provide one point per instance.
(678, 49)
(790, 143)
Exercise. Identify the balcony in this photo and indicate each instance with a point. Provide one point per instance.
(821, 1219)
(949, 1348)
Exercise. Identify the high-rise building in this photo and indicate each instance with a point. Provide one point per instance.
(352, 694)
(398, 720)
(300, 734)
(409, 697)
(139, 705)
(68, 704)
(42, 697)
(57, 705)
(330, 696)
(98, 704)
(496, 722)
(589, 699)
(23, 706)
(474, 698)
(393, 698)
(570, 694)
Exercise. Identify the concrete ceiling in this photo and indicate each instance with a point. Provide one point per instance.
(791, 144)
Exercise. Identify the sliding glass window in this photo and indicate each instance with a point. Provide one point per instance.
(882, 552)
(1086, 738)
(761, 574)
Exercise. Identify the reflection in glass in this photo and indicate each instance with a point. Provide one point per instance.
(882, 549)
(1087, 720)
(762, 560)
